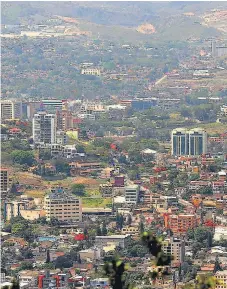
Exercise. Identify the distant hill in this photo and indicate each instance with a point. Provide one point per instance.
(172, 20)
(106, 13)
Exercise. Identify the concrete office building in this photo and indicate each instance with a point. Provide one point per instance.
(197, 141)
(11, 109)
(189, 142)
(63, 206)
(179, 142)
(44, 128)
(176, 248)
(131, 194)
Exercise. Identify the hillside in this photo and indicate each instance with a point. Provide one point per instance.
(171, 20)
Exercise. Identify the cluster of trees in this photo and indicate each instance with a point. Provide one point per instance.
(78, 190)
(202, 238)
(22, 228)
(18, 152)
(202, 112)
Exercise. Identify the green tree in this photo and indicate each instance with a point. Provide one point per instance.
(78, 189)
(205, 191)
(26, 265)
(120, 221)
(104, 229)
(48, 256)
(62, 166)
(141, 227)
(23, 157)
(80, 148)
(98, 231)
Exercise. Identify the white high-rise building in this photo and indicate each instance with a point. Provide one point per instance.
(11, 109)
(44, 126)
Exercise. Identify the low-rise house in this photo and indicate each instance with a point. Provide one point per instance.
(119, 240)
(84, 168)
(91, 254)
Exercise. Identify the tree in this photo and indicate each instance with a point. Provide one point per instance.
(63, 262)
(62, 166)
(209, 239)
(48, 256)
(13, 189)
(23, 157)
(98, 231)
(54, 222)
(141, 227)
(205, 191)
(217, 266)
(78, 189)
(80, 148)
(120, 221)
(45, 154)
(85, 232)
(26, 265)
(104, 229)
(129, 219)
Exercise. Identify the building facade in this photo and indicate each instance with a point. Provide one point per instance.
(118, 240)
(221, 279)
(197, 142)
(4, 181)
(44, 128)
(180, 223)
(11, 109)
(176, 248)
(52, 105)
(189, 142)
(179, 142)
(63, 206)
(131, 194)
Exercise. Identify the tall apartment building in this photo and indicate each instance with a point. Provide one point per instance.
(189, 142)
(44, 127)
(131, 194)
(11, 109)
(63, 206)
(180, 223)
(174, 247)
(4, 182)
